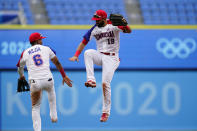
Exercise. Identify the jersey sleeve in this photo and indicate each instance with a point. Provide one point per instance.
(123, 28)
(118, 28)
(115, 28)
(88, 36)
(52, 53)
(21, 62)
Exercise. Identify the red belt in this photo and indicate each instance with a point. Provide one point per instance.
(107, 53)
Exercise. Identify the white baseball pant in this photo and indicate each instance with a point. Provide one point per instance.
(40, 85)
(109, 65)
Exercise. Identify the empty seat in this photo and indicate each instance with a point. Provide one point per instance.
(13, 5)
(170, 11)
(81, 11)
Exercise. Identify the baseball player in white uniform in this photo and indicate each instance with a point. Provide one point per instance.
(36, 58)
(106, 55)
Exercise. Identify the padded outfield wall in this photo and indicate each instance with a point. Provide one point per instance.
(153, 88)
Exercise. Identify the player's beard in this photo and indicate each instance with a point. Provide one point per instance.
(101, 24)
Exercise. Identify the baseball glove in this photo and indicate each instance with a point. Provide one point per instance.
(117, 20)
(23, 86)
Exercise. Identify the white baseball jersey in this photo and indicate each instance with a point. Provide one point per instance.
(107, 38)
(37, 59)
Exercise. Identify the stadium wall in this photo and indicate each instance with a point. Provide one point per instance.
(153, 89)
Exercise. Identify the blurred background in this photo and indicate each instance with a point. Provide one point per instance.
(154, 87)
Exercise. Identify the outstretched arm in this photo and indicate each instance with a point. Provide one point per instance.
(59, 67)
(79, 50)
(86, 39)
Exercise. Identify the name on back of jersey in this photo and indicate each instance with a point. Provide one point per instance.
(36, 49)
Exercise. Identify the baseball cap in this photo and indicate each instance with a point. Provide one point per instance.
(35, 36)
(99, 14)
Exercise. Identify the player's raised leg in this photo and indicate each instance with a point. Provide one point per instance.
(91, 57)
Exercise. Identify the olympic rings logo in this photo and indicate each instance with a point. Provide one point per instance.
(176, 47)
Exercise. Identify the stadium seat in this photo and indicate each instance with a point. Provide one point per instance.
(10, 5)
(81, 11)
(170, 11)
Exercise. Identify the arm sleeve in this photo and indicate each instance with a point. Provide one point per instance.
(88, 36)
(21, 62)
(124, 27)
(118, 28)
(115, 28)
(84, 41)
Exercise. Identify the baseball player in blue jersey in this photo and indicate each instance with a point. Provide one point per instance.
(106, 55)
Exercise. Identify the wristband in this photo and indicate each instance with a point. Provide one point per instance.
(124, 27)
(77, 53)
(62, 72)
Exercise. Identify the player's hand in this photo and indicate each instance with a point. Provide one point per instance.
(67, 81)
(74, 58)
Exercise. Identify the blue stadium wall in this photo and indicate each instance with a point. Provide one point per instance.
(154, 87)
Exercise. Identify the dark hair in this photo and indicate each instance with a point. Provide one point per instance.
(33, 43)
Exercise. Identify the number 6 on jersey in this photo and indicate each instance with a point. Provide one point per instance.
(37, 60)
